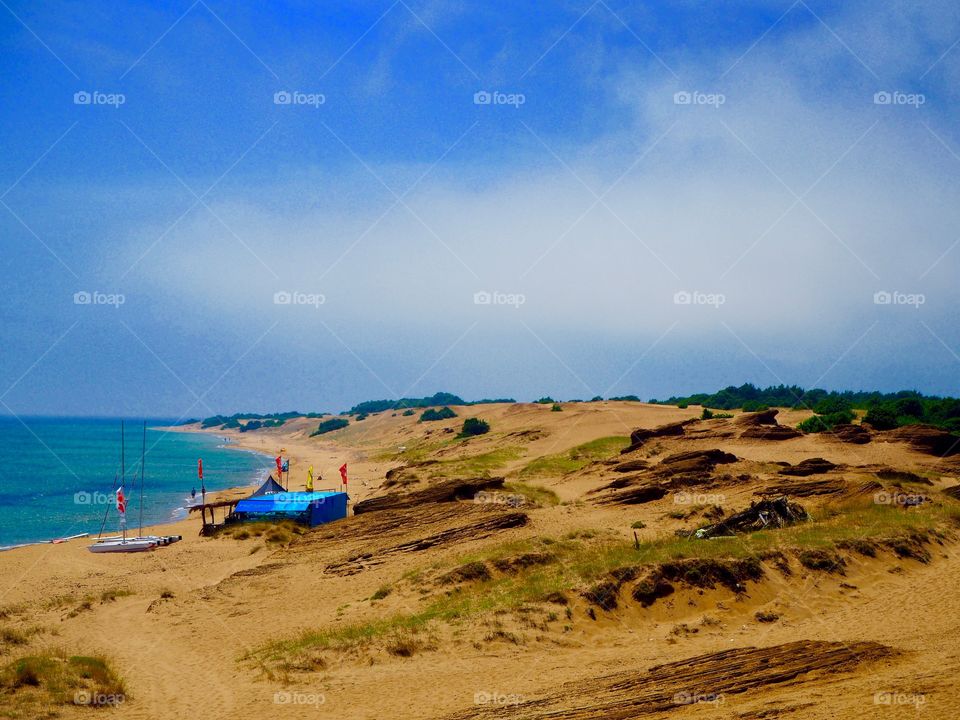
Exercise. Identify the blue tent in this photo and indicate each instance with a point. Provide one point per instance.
(310, 508)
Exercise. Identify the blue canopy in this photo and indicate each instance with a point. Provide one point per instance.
(311, 507)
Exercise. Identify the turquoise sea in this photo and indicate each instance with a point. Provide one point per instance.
(57, 475)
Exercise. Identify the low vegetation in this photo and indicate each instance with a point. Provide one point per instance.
(437, 399)
(575, 458)
(596, 564)
(330, 425)
(708, 414)
(280, 533)
(481, 465)
(829, 412)
(535, 494)
(32, 683)
(253, 421)
(884, 411)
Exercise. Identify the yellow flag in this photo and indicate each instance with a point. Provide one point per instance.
(310, 478)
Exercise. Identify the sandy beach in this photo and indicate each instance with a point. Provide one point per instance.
(187, 626)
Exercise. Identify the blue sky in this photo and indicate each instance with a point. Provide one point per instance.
(658, 199)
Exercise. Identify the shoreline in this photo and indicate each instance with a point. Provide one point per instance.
(174, 522)
(301, 450)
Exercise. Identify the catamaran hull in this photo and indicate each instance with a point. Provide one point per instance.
(122, 546)
(160, 540)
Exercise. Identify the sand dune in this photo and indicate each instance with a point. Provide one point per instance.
(430, 610)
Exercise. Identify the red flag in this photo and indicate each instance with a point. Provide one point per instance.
(279, 464)
(121, 501)
(343, 473)
(200, 468)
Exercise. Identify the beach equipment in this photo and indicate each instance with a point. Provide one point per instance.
(121, 543)
(269, 487)
(343, 473)
(308, 508)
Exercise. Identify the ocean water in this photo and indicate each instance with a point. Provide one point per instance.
(57, 475)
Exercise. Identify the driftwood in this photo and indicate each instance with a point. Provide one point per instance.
(761, 515)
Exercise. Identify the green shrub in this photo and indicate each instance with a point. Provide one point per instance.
(825, 423)
(474, 426)
(546, 400)
(431, 415)
(881, 418)
(706, 414)
(831, 405)
(381, 592)
(556, 408)
(409, 412)
(330, 425)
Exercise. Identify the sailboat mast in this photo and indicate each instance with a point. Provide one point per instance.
(123, 473)
(143, 454)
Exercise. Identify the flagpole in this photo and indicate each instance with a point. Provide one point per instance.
(143, 453)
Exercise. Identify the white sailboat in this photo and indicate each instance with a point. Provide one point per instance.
(121, 543)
